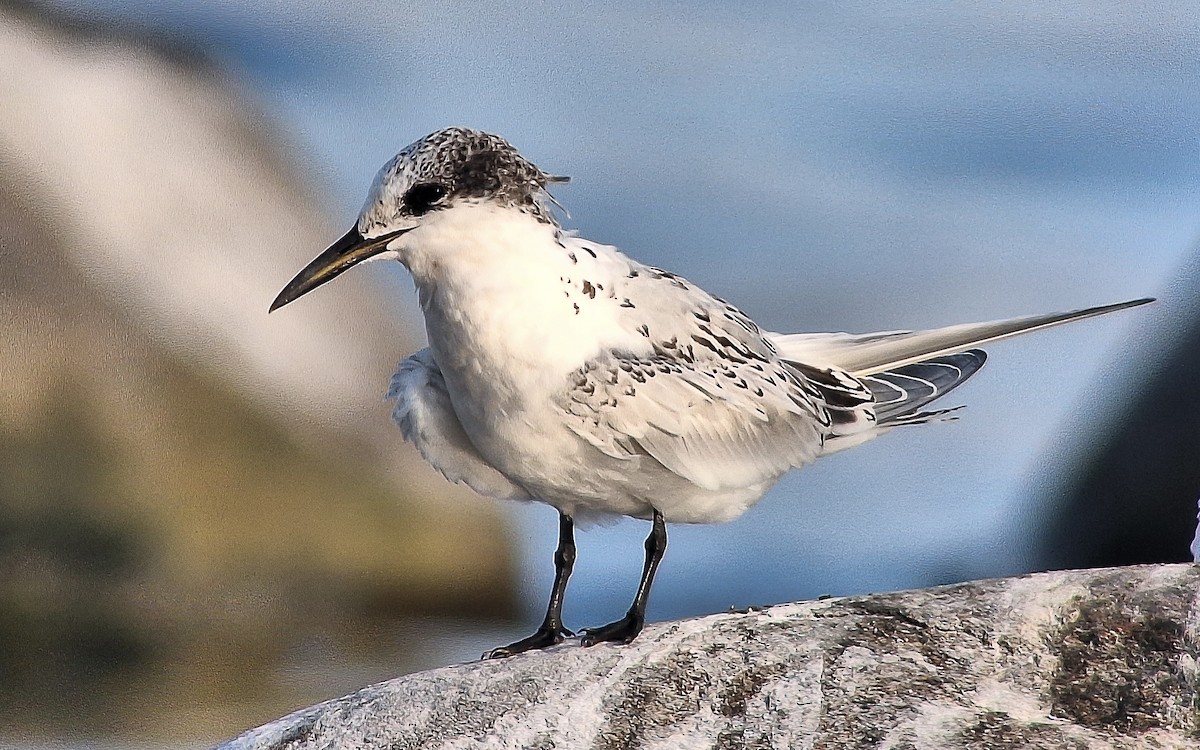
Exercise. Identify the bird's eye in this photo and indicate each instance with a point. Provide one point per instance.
(424, 195)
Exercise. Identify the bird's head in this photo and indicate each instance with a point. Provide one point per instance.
(444, 170)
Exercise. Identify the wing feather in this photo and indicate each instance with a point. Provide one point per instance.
(872, 353)
(718, 424)
(900, 392)
(427, 420)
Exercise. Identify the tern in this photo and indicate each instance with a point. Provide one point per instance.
(560, 370)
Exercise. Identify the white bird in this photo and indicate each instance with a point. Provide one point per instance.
(562, 371)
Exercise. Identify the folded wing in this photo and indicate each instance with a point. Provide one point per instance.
(720, 425)
(868, 354)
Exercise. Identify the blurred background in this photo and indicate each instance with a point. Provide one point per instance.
(206, 517)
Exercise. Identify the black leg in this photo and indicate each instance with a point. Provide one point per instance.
(627, 628)
(552, 630)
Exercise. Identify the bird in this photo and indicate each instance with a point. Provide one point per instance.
(562, 371)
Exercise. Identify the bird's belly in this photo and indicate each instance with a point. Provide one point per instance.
(539, 452)
(507, 365)
(524, 441)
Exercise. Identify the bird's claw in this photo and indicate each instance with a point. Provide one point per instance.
(621, 631)
(543, 638)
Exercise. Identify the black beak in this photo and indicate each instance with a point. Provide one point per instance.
(351, 249)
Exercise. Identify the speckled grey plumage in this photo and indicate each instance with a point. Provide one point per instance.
(1076, 659)
(474, 165)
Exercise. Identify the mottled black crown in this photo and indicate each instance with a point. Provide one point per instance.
(456, 164)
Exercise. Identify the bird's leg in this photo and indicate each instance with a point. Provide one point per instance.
(627, 628)
(552, 631)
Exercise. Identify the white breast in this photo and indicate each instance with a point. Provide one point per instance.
(511, 309)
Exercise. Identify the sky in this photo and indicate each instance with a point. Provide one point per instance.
(825, 166)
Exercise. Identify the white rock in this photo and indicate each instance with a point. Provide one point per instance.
(1075, 659)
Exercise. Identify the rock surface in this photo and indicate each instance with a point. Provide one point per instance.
(1075, 659)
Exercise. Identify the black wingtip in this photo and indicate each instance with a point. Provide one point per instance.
(1105, 309)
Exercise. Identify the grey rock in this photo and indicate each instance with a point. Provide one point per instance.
(1074, 659)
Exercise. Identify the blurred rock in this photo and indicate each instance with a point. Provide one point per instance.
(1131, 493)
(191, 492)
(1078, 659)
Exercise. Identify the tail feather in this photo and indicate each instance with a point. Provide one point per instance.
(900, 392)
(874, 353)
